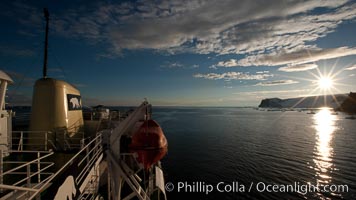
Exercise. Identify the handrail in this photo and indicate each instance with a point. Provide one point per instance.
(42, 181)
(29, 151)
(45, 184)
(89, 165)
(32, 131)
(88, 153)
(90, 159)
(45, 138)
(26, 164)
(11, 187)
(40, 135)
(95, 149)
(34, 174)
(26, 176)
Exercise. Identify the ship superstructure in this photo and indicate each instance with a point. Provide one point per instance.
(64, 156)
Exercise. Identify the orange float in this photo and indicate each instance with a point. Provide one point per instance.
(149, 143)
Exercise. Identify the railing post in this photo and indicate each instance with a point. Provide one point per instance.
(39, 167)
(87, 153)
(10, 138)
(65, 142)
(109, 183)
(20, 147)
(82, 143)
(28, 179)
(1, 170)
(83, 139)
(46, 140)
(96, 144)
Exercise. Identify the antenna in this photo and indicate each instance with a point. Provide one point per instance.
(46, 14)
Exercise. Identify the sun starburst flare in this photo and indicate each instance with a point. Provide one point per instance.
(325, 83)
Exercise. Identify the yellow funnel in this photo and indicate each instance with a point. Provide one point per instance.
(56, 106)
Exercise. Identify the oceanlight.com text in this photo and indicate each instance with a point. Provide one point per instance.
(236, 187)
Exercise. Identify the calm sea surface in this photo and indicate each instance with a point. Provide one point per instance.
(254, 151)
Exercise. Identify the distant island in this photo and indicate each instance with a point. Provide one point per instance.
(349, 104)
(341, 102)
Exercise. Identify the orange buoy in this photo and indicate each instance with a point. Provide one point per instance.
(149, 143)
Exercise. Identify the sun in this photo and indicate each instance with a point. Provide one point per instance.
(325, 83)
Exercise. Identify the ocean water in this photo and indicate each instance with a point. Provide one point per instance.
(241, 153)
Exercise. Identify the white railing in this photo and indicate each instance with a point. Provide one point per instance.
(45, 140)
(93, 144)
(39, 140)
(89, 177)
(25, 177)
(38, 170)
(92, 154)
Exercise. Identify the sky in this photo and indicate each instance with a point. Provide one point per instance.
(181, 52)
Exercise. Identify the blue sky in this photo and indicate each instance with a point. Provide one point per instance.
(181, 52)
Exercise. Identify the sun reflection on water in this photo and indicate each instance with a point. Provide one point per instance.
(324, 123)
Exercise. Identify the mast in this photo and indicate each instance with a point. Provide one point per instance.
(46, 14)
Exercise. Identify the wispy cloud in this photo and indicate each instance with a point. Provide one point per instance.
(210, 26)
(296, 57)
(238, 27)
(16, 98)
(270, 33)
(351, 68)
(262, 92)
(277, 82)
(233, 76)
(229, 63)
(262, 72)
(16, 51)
(298, 68)
(79, 85)
(274, 93)
(20, 79)
(172, 65)
(178, 65)
(52, 69)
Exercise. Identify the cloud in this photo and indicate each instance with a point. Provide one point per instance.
(297, 57)
(20, 79)
(229, 63)
(195, 26)
(59, 69)
(213, 67)
(277, 82)
(274, 92)
(93, 101)
(229, 27)
(351, 68)
(298, 68)
(178, 65)
(79, 85)
(15, 75)
(172, 65)
(16, 51)
(233, 76)
(262, 94)
(16, 98)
